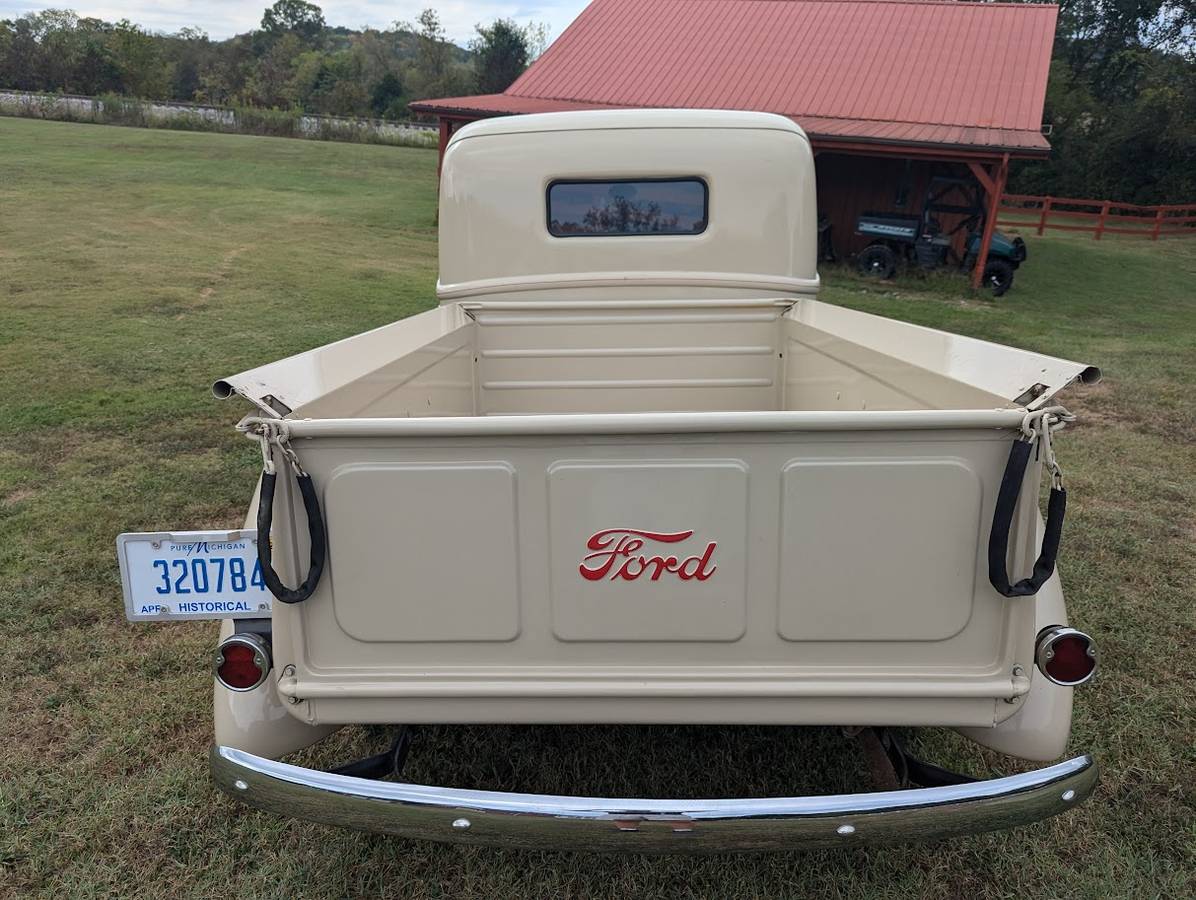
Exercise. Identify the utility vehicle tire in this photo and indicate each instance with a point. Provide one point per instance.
(998, 276)
(877, 261)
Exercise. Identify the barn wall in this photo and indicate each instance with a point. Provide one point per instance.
(850, 185)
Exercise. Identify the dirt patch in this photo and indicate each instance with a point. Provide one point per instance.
(1096, 406)
(18, 496)
(47, 449)
(1104, 406)
(228, 518)
(37, 719)
(221, 272)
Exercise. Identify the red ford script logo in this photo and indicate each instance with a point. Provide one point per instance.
(616, 554)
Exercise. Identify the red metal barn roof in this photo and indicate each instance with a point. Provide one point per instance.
(891, 71)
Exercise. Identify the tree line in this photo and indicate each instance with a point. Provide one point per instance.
(1121, 99)
(1121, 103)
(294, 61)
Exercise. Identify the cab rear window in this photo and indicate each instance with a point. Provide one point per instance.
(612, 208)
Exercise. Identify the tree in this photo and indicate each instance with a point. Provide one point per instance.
(432, 56)
(434, 71)
(225, 71)
(18, 50)
(1121, 101)
(386, 97)
(144, 71)
(272, 81)
(501, 54)
(96, 68)
(304, 20)
(191, 51)
(339, 87)
(626, 215)
(58, 37)
(536, 35)
(8, 35)
(377, 52)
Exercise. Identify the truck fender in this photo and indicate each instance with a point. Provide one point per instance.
(1040, 730)
(257, 721)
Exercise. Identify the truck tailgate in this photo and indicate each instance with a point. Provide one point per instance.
(767, 567)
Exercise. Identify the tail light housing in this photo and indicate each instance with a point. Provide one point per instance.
(242, 662)
(1065, 656)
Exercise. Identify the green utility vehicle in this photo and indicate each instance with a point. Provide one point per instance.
(921, 241)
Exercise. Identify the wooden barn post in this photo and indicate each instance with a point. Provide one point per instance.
(994, 186)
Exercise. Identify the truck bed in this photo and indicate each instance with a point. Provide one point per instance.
(575, 358)
(782, 508)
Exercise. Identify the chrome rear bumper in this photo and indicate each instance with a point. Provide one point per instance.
(587, 823)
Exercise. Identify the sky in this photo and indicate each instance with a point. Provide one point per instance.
(224, 18)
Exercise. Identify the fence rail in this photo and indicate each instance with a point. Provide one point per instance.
(115, 110)
(1100, 217)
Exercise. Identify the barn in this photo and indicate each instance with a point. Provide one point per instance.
(903, 100)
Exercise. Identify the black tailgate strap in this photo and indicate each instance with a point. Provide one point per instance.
(1007, 496)
(265, 519)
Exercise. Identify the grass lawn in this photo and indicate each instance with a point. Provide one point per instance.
(137, 266)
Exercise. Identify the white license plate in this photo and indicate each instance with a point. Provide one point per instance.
(181, 575)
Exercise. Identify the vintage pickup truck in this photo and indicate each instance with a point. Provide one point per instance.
(630, 470)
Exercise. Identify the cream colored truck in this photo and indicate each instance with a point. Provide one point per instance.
(630, 470)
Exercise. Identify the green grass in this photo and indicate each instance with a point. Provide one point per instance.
(138, 266)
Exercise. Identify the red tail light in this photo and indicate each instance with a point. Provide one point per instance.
(1066, 656)
(242, 662)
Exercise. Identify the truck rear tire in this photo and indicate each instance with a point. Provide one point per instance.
(877, 261)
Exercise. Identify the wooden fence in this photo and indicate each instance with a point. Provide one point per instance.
(1100, 217)
(114, 110)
